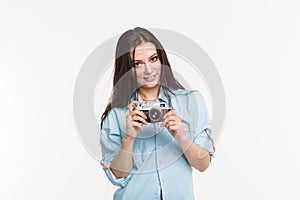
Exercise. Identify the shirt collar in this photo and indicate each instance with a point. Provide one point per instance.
(161, 96)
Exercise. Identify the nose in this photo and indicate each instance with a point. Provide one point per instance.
(147, 68)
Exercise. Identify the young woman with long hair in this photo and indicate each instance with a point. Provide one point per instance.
(151, 159)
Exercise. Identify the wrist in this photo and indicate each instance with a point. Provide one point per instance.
(183, 138)
(127, 143)
(180, 136)
(128, 138)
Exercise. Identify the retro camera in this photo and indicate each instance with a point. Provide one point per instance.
(154, 111)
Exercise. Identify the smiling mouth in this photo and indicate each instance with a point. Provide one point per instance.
(150, 78)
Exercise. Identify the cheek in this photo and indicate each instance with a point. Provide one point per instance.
(139, 75)
(158, 69)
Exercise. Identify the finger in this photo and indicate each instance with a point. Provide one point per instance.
(171, 123)
(131, 105)
(173, 127)
(167, 124)
(170, 118)
(170, 113)
(140, 113)
(137, 124)
(128, 117)
(139, 119)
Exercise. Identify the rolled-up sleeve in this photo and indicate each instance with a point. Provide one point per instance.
(203, 133)
(111, 141)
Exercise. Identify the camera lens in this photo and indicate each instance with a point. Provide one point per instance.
(154, 115)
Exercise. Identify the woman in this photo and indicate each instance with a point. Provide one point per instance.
(152, 160)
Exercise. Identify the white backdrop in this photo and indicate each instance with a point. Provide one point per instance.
(255, 46)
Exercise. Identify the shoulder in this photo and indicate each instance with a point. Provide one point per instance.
(186, 93)
(115, 110)
(114, 114)
(189, 98)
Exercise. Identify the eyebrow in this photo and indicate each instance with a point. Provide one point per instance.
(148, 58)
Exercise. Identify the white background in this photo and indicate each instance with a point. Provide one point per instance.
(255, 46)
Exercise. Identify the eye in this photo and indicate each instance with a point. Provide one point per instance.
(137, 64)
(154, 59)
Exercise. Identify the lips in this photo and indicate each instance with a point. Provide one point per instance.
(150, 78)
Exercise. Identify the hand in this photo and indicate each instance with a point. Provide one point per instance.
(172, 122)
(134, 121)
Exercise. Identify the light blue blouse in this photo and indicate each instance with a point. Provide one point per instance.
(159, 163)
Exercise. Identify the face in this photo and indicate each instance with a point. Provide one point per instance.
(147, 65)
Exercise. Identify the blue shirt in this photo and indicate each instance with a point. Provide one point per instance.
(159, 163)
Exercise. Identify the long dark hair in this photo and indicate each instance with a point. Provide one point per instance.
(122, 92)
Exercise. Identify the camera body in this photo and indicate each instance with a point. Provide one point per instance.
(154, 111)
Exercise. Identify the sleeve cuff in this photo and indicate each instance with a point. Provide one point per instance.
(206, 141)
(121, 182)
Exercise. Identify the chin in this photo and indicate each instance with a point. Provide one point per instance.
(149, 85)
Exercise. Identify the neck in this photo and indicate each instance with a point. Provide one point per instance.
(149, 94)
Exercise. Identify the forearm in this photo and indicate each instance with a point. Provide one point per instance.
(121, 166)
(198, 157)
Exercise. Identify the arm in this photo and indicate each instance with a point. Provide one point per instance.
(197, 156)
(121, 166)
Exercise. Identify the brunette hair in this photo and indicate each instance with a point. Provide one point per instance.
(122, 92)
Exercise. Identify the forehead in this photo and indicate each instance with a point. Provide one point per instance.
(143, 51)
